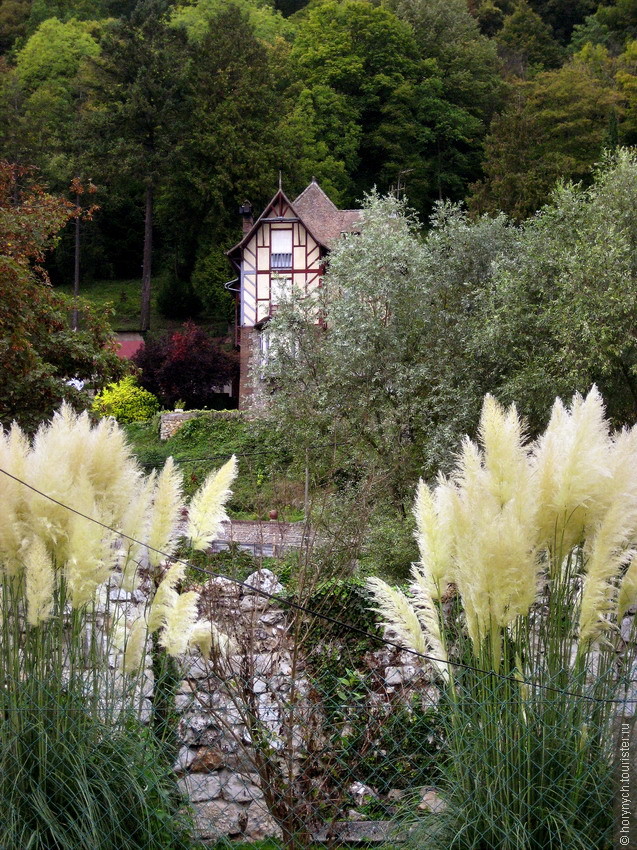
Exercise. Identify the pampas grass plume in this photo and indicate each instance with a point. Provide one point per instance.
(166, 513)
(135, 524)
(165, 597)
(627, 590)
(433, 535)
(135, 650)
(180, 622)
(572, 470)
(208, 639)
(610, 546)
(14, 448)
(398, 614)
(430, 621)
(206, 510)
(39, 583)
(89, 559)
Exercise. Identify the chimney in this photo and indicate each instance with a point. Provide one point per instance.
(245, 211)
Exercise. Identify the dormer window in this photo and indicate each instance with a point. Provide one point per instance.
(281, 249)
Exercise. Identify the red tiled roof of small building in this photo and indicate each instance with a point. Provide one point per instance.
(129, 344)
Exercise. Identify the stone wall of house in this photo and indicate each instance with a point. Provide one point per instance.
(248, 351)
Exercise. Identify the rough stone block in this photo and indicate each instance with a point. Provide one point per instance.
(264, 580)
(207, 759)
(400, 675)
(260, 823)
(200, 787)
(217, 819)
(237, 789)
(185, 758)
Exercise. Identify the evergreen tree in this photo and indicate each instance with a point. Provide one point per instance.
(563, 15)
(229, 149)
(137, 112)
(526, 43)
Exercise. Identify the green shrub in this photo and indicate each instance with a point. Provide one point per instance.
(126, 401)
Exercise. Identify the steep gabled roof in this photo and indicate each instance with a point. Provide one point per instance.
(322, 217)
(316, 211)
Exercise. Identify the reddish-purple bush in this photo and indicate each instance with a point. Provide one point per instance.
(186, 365)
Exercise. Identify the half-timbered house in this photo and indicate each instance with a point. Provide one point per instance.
(286, 246)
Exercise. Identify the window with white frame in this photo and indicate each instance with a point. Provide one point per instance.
(281, 249)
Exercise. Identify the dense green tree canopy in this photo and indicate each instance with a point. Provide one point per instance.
(265, 22)
(41, 97)
(392, 373)
(556, 125)
(563, 308)
(182, 109)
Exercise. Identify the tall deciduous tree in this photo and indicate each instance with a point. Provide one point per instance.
(46, 91)
(390, 375)
(563, 308)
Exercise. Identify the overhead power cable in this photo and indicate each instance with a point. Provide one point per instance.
(281, 600)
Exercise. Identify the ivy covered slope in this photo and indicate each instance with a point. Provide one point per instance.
(490, 101)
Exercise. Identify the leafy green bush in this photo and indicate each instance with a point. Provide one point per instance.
(390, 547)
(389, 741)
(126, 401)
(346, 600)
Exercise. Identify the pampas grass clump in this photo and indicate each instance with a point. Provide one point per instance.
(66, 649)
(537, 542)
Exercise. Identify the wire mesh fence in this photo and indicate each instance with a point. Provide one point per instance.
(306, 734)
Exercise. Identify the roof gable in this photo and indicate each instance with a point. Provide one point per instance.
(279, 204)
(314, 210)
(322, 217)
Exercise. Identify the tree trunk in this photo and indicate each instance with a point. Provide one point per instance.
(76, 270)
(148, 255)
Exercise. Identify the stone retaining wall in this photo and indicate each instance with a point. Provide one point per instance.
(170, 423)
(216, 765)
